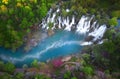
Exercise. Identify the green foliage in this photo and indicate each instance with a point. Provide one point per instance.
(67, 75)
(116, 13)
(109, 46)
(88, 70)
(107, 54)
(34, 63)
(73, 78)
(109, 34)
(16, 18)
(113, 21)
(86, 56)
(64, 13)
(9, 67)
(38, 76)
(19, 76)
(93, 11)
(73, 59)
(1, 65)
(50, 25)
(5, 76)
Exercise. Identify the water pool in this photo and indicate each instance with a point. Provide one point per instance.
(62, 43)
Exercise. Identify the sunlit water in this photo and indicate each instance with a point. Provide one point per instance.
(62, 43)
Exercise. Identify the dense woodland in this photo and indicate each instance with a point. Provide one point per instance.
(18, 17)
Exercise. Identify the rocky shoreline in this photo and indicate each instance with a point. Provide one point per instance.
(35, 37)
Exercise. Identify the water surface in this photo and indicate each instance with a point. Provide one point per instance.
(62, 43)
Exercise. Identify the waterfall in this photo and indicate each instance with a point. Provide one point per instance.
(83, 26)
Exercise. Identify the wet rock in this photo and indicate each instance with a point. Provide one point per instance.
(50, 32)
(67, 58)
(33, 40)
(89, 38)
(27, 48)
(73, 28)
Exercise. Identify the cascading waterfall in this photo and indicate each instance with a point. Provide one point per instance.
(82, 27)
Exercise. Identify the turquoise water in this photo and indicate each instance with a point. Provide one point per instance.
(118, 23)
(62, 43)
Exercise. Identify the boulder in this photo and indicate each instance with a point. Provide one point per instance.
(50, 32)
(89, 38)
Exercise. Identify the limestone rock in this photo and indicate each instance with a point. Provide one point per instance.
(50, 32)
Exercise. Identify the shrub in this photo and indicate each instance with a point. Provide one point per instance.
(57, 63)
(116, 13)
(35, 63)
(113, 21)
(67, 75)
(19, 76)
(9, 67)
(88, 70)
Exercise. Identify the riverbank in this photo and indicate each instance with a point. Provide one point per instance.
(73, 66)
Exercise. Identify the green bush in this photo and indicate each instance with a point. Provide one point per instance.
(116, 13)
(113, 21)
(9, 67)
(34, 63)
(19, 76)
(88, 70)
(67, 75)
(73, 78)
(5, 76)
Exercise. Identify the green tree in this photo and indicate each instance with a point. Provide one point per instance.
(5, 76)
(113, 21)
(35, 63)
(9, 67)
(67, 75)
(88, 70)
(19, 76)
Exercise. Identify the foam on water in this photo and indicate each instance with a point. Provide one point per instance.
(82, 27)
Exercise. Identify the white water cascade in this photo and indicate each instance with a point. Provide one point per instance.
(83, 26)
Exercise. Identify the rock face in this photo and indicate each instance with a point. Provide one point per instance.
(89, 38)
(84, 25)
(33, 40)
(50, 32)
